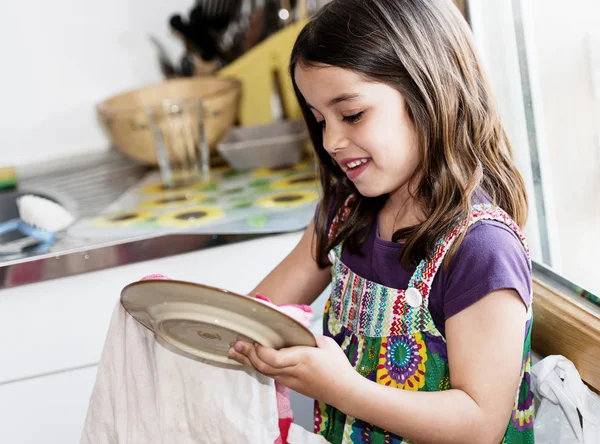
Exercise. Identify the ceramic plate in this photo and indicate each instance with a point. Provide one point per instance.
(201, 322)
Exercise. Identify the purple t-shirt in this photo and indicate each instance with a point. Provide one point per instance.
(491, 257)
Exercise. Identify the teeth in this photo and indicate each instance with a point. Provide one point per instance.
(356, 163)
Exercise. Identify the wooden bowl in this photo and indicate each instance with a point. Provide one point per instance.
(125, 116)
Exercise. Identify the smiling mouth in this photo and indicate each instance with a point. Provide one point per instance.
(354, 164)
(355, 167)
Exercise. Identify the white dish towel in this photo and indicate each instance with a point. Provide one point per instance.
(145, 394)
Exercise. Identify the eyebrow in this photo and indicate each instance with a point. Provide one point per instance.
(338, 99)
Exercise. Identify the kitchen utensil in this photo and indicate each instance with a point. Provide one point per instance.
(197, 36)
(217, 9)
(166, 66)
(39, 220)
(209, 22)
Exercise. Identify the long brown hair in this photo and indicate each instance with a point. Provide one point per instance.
(424, 49)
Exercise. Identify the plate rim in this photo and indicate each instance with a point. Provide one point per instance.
(252, 300)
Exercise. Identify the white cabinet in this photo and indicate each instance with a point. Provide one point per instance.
(49, 410)
(57, 328)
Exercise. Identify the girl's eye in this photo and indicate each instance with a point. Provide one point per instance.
(353, 118)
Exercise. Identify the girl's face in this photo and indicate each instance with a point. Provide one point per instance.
(366, 128)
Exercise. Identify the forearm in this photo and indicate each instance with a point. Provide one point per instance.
(425, 417)
(291, 284)
(297, 279)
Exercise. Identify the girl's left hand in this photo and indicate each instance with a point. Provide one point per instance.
(322, 373)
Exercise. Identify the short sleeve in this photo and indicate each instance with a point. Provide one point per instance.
(490, 258)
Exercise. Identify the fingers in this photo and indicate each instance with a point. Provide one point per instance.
(247, 354)
(283, 376)
(267, 360)
(232, 354)
(278, 359)
(237, 352)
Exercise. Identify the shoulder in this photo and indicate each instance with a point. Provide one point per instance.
(493, 240)
(490, 258)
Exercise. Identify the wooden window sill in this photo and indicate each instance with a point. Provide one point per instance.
(567, 324)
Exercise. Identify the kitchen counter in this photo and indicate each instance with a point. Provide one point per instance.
(86, 185)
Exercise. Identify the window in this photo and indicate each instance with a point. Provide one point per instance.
(543, 60)
(543, 57)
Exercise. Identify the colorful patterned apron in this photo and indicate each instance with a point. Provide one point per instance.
(389, 337)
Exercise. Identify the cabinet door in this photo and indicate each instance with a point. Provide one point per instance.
(49, 409)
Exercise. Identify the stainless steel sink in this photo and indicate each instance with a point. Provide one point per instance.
(87, 185)
(83, 186)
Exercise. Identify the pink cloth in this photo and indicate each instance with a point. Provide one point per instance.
(304, 315)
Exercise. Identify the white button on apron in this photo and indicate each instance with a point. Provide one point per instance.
(331, 256)
(413, 297)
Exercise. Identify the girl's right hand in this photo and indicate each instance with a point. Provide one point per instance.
(321, 372)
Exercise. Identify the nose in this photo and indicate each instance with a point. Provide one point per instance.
(334, 138)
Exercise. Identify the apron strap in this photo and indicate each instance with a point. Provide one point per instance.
(423, 277)
(340, 217)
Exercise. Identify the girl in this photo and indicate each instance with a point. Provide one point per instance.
(427, 330)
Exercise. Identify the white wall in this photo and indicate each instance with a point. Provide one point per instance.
(569, 133)
(60, 58)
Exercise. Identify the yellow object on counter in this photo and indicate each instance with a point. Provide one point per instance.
(259, 69)
(8, 178)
